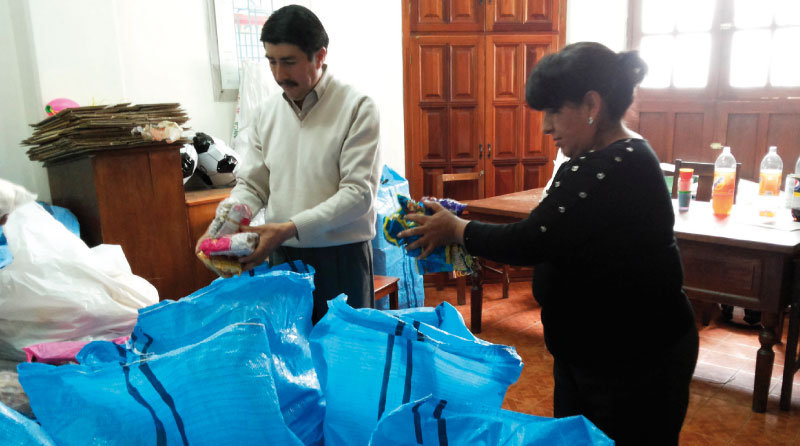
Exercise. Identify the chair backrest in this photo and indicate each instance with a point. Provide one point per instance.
(459, 186)
(705, 173)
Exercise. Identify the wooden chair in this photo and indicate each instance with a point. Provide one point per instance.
(386, 285)
(466, 186)
(705, 172)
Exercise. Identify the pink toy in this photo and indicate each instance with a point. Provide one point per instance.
(235, 245)
(56, 105)
(58, 353)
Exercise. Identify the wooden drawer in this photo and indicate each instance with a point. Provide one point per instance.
(722, 269)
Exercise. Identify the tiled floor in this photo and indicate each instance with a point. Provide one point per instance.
(721, 391)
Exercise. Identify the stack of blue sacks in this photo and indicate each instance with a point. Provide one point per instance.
(237, 362)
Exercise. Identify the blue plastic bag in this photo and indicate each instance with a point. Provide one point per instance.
(17, 430)
(389, 259)
(61, 214)
(436, 422)
(217, 391)
(279, 298)
(369, 362)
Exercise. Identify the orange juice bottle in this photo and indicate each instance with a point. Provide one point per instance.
(722, 191)
(769, 186)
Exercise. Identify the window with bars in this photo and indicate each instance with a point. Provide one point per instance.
(235, 37)
(735, 46)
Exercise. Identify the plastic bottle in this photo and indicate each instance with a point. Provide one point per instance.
(724, 183)
(769, 185)
(793, 191)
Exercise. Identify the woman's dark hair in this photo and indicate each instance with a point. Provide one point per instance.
(566, 76)
(296, 25)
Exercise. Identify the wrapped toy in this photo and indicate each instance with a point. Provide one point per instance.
(225, 240)
(444, 258)
(233, 245)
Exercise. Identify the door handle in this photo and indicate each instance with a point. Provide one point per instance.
(489, 152)
(480, 151)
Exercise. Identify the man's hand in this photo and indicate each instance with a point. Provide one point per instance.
(270, 236)
(3, 219)
(441, 228)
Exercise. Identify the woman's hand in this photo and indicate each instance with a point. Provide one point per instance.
(441, 228)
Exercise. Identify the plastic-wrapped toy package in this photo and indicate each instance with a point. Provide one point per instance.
(444, 258)
(226, 241)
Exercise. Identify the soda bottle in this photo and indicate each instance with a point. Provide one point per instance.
(793, 191)
(724, 183)
(769, 185)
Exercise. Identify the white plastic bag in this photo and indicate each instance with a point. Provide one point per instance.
(257, 84)
(58, 289)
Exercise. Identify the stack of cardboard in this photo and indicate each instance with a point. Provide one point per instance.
(78, 131)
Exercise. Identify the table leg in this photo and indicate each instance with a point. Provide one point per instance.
(790, 365)
(476, 300)
(764, 360)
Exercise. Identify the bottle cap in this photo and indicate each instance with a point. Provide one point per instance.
(686, 173)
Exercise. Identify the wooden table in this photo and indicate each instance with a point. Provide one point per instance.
(730, 261)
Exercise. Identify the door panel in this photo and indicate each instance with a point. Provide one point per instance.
(446, 15)
(434, 135)
(512, 128)
(446, 112)
(522, 15)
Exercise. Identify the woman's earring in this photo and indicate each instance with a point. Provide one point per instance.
(591, 120)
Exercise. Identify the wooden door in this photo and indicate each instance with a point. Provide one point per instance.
(446, 88)
(524, 15)
(518, 154)
(446, 15)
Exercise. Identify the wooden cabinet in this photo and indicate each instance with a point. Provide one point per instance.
(467, 63)
(133, 198)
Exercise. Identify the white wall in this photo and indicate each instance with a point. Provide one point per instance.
(18, 91)
(366, 50)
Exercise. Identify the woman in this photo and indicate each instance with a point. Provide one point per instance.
(607, 271)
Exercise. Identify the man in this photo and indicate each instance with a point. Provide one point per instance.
(314, 165)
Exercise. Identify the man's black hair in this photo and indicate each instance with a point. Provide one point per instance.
(296, 25)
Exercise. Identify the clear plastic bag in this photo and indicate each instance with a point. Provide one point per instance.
(59, 289)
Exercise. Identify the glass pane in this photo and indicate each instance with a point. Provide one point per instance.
(692, 56)
(658, 16)
(787, 12)
(785, 70)
(700, 17)
(753, 13)
(657, 53)
(750, 58)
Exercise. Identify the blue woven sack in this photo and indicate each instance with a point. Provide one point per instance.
(389, 259)
(17, 430)
(370, 362)
(280, 298)
(217, 391)
(436, 422)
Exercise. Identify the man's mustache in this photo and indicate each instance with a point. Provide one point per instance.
(287, 83)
